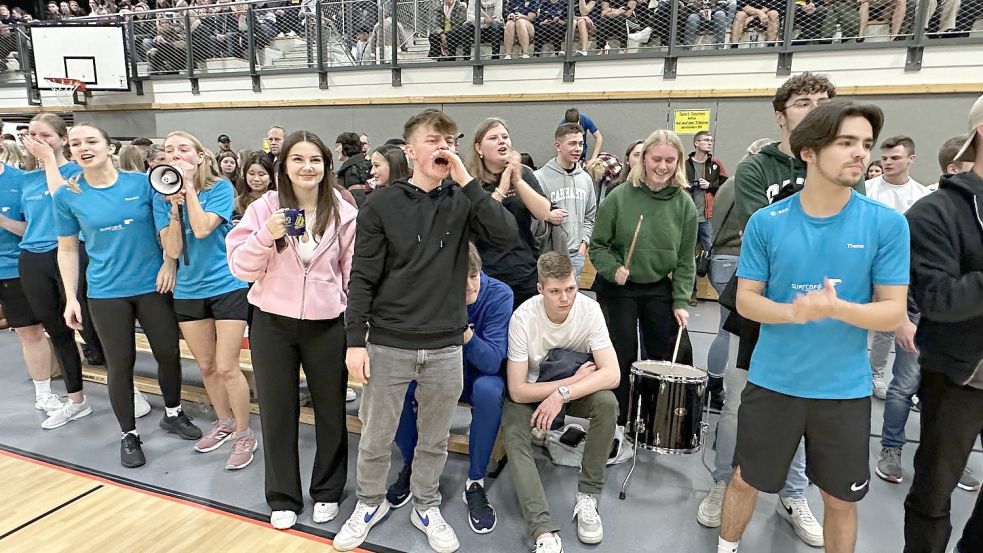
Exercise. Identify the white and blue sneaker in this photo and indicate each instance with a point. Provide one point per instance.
(440, 535)
(357, 527)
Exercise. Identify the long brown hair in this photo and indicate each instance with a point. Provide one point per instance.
(327, 205)
(475, 164)
(58, 125)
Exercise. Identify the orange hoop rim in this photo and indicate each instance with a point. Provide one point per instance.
(79, 86)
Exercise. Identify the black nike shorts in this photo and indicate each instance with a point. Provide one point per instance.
(230, 306)
(15, 306)
(770, 426)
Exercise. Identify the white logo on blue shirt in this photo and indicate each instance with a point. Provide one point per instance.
(854, 246)
(131, 198)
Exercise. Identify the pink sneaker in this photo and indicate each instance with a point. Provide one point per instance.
(242, 452)
(217, 436)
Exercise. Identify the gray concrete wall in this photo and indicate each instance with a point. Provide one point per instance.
(736, 122)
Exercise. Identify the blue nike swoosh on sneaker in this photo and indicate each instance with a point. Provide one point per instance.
(425, 520)
(368, 516)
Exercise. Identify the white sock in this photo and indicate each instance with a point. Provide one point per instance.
(231, 421)
(172, 411)
(134, 432)
(724, 546)
(467, 485)
(42, 388)
(241, 433)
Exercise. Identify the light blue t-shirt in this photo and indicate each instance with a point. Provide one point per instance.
(208, 275)
(866, 244)
(118, 221)
(41, 236)
(10, 190)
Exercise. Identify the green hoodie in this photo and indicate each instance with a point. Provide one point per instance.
(666, 241)
(759, 179)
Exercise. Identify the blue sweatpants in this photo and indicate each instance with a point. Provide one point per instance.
(485, 394)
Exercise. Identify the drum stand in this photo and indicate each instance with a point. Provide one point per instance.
(704, 426)
(634, 458)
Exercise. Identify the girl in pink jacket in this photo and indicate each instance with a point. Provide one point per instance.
(299, 293)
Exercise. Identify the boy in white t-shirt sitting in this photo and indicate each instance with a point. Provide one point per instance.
(559, 317)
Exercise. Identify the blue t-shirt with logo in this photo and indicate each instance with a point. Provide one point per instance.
(10, 190)
(41, 235)
(208, 275)
(118, 221)
(864, 245)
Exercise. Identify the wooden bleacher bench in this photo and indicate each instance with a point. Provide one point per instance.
(457, 443)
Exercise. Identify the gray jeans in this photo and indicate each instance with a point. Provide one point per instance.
(880, 347)
(439, 375)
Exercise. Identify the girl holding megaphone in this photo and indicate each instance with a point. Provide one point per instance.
(113, 210)
(210, 303)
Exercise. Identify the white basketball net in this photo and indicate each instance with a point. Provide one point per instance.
(60, 95)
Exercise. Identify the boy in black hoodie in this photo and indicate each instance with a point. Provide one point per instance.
(406, 318)
(947, 284)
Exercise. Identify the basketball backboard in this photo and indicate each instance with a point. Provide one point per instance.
(93, 54)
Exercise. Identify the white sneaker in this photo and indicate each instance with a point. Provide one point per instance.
(589, 529)
(69, 412)
(880, 387)
(579, 53)
(525, 56)
(357, 527)
(49, 403)
(709, 512)
(282, 520)
(507, 57)
(350, 395)
(550, 544)
(796, 511)
(325, 512)
(141, 407)
(440, 535)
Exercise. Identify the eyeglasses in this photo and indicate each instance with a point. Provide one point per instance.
(805, 103)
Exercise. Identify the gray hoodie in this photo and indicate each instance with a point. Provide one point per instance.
(573, 192)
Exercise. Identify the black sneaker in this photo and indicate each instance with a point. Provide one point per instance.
(399, 493)
(481, 515)
(181, 425)
(130, 454)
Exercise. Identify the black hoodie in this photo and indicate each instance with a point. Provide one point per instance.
(410, 268)
(947, 276)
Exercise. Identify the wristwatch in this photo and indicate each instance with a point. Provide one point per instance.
(565, 393)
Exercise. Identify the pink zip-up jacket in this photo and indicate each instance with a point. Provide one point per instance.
(282, 285)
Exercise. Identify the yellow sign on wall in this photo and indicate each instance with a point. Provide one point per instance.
(690, 121)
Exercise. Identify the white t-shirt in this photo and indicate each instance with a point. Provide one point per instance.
(898, 196)
(532, 334)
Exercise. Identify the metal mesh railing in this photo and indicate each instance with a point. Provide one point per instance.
(263, 36)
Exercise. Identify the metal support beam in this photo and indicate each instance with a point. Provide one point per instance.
(784, 64)
(478, 74)
(569, 71)
(397, 77)
(669, 69)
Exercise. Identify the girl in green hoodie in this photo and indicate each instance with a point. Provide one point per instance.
(652, 287)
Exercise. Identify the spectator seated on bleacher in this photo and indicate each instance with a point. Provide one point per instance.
(224, 35)
(891, 11)
(969, 12)
(551, 26)
(381, 40)
(583, 26)
(519, 17)
(702, 16)
(447, 30)
(757, 14)
(167, 50)
(613, 23)
(492, 28)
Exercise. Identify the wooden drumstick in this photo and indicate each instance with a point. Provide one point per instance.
(634, 240)
(679, 338)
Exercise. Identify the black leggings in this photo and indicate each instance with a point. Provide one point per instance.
(629, 311)
(42, 286)
(92, 347)
(115, 320)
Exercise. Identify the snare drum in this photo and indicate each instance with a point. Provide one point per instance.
(665, 408)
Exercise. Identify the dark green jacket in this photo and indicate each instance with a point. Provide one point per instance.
(726, 232)
(760, 178)
(666, 242)
(459, 14)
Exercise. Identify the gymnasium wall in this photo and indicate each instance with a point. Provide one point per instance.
(928, 118)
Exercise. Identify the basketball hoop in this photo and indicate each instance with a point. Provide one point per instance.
(64, 92)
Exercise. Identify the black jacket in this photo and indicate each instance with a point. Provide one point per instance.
(356, 170)
(410, 267)
(947, 276)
